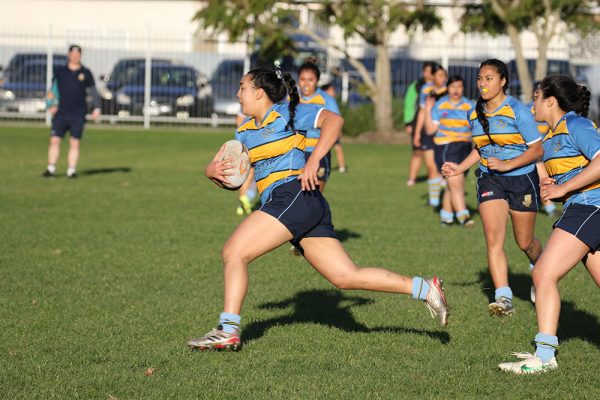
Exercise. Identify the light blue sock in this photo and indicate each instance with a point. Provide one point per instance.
(230, 322)
(446, 216)
(435, 188)
(531, 265)
(419, 288)
(549, 208)
(251, 193)
(545, 346)
(504, 291)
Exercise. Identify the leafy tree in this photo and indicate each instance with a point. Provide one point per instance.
(545, 18)
(373, 20)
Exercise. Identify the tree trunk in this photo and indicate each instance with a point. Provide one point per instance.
(384, 124)
(522, 70)
(541, 67)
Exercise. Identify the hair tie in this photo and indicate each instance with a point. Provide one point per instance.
(278, 70)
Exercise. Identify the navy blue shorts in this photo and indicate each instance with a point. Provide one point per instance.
(426, 141)
(454, 152)
(583, 222)
(61, 124)
(304, 213)
(324, 166)
(521, 191)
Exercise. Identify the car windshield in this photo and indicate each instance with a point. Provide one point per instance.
(31, 74)
(183, 77)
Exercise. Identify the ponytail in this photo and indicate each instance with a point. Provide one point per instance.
(569, 95)
(292, 90)
(485, 124)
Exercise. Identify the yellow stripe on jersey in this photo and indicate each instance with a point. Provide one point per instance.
(455, 123)
(262, 184)
(446, 105)
(591, 186)
(318, 99)
(560, 130)
(311, 142)
(251, 123)
(277, 148)
(557, 166)
(499, 139)
(505, 111)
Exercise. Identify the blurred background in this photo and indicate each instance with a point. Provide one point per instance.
(194, 52)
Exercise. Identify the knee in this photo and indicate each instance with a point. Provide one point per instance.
(526, 245)
(542, 276)
(343, 282)
(231, 254)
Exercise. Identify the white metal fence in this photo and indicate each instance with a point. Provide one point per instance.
(157, 78)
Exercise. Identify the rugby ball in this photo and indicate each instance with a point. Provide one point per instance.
(240, 160)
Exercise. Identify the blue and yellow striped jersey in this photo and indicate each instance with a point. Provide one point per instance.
(326, 101)
(568, 149)
(277, 153)
(428, 89)
(512, 129)
(543, 127)
(453, 120)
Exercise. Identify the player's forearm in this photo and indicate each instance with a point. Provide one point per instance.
(331, 127)
(588, 175)
(472, 159)
(530, 156)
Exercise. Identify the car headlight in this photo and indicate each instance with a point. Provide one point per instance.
(105, 94)
(7, 95)
(205, 91)
(185, 101)
(123, 99)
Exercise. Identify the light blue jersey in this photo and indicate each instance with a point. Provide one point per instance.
(326, 101)
(277, 153)
(512, 129)
(568, 149)
(453, 120)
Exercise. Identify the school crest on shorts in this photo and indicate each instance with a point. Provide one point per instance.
(527, 200)
(81, 76)
(321, 172)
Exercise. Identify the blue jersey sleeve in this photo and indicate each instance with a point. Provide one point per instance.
(306, 116)
(331, 105)
(526, 124)
(585, 137)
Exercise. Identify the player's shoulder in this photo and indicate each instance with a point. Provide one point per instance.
(577, 123)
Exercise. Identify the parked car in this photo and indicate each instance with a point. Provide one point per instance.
(122, 72)
(20, 59)
(26, 90)
(176, 90)
(225, 83)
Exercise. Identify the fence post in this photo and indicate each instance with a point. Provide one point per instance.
(49, 71)
(147, 82)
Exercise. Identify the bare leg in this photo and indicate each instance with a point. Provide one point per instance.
(73, 152)
(523, 227)
(563, 252)
(592, 263)
(494, 215)
(432, 170)
(329, 258)
(415, 165)
(339, 153)
(54, 150)
(256, 235)
(456, 188)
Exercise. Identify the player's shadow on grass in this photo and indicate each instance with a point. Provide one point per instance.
(520, 284)
(97, 171)
(345, 234)
(330, 308)
(574, 323)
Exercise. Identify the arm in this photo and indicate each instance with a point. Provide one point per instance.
(331, 128)
(530, 156)
(419, 127)
(96, 102)
(431, 126)
(410, 99)
(450, 169)
(590, 174)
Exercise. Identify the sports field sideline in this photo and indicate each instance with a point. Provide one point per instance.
(103, 278)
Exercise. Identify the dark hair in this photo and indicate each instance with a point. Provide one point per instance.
(277, 88)
(310, 66)
(569, 95)
(502, 70)
(454, 78)
(435, 67)
(429, 64)
(326, 86)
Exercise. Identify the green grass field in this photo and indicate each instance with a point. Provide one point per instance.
(106, 276)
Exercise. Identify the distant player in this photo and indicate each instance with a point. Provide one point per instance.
(448, 120)
(339, 150)
(310, 93)
(294, 209)
(436, 89)
(70, 85)
(507, 146)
